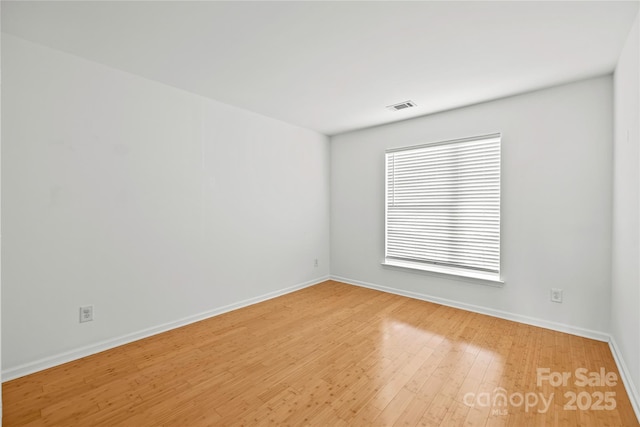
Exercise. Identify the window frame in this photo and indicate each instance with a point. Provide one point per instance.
(493, 278)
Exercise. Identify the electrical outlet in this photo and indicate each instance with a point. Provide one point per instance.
(556, 295)
(315, 263)
(86, 313)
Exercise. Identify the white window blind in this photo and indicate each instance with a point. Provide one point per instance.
(443, 204)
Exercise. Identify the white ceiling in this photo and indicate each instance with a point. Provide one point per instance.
(334, 66)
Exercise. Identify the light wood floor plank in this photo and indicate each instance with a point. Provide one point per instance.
(329, 355)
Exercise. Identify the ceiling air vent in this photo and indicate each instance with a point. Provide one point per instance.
(401, 106)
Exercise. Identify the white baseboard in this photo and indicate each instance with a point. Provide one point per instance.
(632, 391)
(555, 326)
(58, 359)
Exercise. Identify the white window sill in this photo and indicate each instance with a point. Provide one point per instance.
(490, 278)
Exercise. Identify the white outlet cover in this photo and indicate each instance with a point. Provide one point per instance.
(86, 313)
(556, 295)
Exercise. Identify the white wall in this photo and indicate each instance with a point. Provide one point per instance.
(625, 292)
(150, 203)
(556, 205)
(0, 237)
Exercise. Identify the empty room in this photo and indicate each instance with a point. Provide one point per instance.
(320, 213)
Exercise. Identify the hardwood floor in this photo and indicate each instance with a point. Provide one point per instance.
(331, 355)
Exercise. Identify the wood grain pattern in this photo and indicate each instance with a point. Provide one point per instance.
(329, 355)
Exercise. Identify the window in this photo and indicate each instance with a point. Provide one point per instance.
(443, 207)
